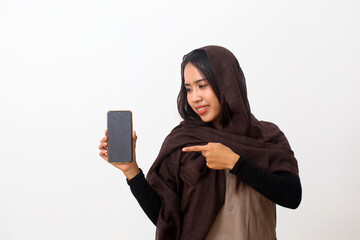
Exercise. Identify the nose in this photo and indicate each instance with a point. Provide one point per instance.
(196, 96)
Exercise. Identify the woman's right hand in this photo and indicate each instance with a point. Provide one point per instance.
(129, 169)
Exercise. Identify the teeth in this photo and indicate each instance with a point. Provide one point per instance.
(200, 109)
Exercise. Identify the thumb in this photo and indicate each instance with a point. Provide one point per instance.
(134, 139)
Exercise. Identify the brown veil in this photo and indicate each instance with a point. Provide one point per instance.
(193, 194)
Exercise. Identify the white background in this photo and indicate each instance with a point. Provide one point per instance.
(65, 63)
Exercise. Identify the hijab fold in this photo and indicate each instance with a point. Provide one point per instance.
(192, 194)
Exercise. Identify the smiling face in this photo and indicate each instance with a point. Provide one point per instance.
(201, 96)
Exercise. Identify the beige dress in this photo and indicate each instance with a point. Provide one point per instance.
(246, 214)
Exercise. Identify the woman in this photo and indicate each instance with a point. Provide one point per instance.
(220, 172)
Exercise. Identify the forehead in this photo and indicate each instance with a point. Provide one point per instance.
(192, 74)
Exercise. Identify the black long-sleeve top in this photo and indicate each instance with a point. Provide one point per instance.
(282, 188)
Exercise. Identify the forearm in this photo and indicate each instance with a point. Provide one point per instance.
(148, 199)
(282, 187)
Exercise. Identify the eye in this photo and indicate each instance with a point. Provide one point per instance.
(188, 89)
(203, 85)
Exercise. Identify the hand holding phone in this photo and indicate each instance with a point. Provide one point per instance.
(129, 168)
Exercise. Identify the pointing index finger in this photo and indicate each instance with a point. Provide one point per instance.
(197, 148)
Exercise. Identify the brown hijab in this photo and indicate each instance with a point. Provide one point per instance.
(193, 194)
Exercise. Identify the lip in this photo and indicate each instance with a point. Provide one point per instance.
(203, 111)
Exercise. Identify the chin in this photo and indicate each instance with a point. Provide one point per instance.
(207, 120)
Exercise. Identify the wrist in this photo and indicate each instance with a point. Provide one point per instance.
(131, 172)
(233, 161)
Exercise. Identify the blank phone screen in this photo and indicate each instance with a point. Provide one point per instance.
(119, 136)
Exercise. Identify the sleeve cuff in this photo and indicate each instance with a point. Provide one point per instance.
(136, 179)
(238, 165)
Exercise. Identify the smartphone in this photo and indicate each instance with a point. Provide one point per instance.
(119, 124)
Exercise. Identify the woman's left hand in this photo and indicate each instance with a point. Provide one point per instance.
(217, 155)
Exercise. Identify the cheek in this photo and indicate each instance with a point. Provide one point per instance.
(188, 99)
(217, 111)
(211, 96)
(216, 105)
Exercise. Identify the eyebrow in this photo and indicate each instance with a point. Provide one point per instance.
(188, 84)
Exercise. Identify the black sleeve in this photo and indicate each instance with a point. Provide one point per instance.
(282, 188)
(148, 199)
